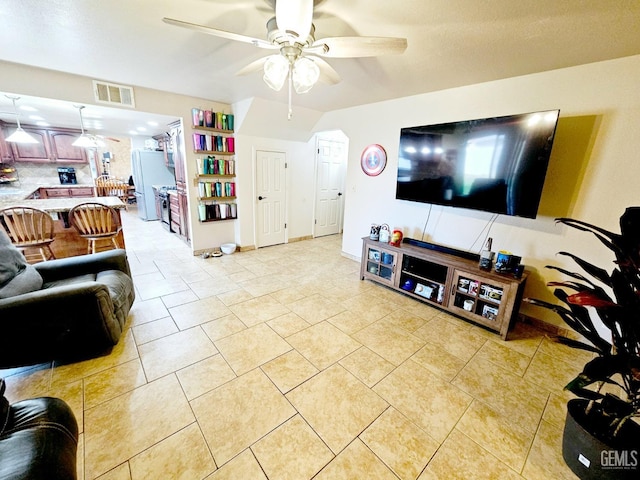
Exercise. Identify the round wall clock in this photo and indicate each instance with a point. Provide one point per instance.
(373, 160)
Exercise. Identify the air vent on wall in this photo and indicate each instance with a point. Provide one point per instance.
(113, 94)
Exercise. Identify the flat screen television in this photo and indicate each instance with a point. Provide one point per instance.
(493, 164)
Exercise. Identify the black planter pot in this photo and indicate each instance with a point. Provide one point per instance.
(591, 458)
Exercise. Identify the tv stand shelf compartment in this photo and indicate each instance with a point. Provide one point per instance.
(445, 280)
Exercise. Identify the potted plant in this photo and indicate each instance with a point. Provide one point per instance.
(601, 438)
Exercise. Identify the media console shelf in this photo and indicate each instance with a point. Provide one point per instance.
(449, 281)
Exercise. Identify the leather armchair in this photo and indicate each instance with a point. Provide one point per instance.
(38, 439)
(79, 312)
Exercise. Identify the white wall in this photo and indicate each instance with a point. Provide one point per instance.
(593, 173)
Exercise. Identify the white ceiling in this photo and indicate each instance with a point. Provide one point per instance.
(450, 43)
(107, 121)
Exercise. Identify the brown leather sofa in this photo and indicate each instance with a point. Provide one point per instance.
(38, 439)
(78, 312)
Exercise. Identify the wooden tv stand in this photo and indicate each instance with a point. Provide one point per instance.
(446, 281)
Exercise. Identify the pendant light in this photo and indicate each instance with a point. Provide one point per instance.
(19, 136)
(85, 140)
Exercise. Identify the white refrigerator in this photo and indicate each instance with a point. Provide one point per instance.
(148, 169)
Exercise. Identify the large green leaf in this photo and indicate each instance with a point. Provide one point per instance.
(585, 393)
(569, 317)
(596, 272)
(570, 342)
(570, 274)
(571, 285)
(613, 241)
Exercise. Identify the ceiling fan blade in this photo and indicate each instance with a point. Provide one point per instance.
(221, 33)
(328, 74)
(294, 17)
(349, 47)
(255, 66)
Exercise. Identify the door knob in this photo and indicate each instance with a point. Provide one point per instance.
(261, 197)
(339, 194)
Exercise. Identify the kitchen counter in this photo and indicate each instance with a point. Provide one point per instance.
(10, 192)
(59, 205)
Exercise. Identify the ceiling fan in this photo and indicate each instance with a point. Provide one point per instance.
(291, 31)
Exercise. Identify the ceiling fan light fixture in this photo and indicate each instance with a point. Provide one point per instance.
(19, 136)
(305, 75)
(276, 69)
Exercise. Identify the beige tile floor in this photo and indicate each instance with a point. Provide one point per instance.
(281, 363)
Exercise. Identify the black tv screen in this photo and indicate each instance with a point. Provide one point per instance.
(493, 164)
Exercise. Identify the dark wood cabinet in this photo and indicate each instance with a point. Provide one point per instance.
(66, 192)
(164, 144)
(32, 152)
(62, 149)
(174, 211)
(54, 145)
(175, 145)
(6, 154)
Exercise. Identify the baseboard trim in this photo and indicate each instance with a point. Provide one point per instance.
(548, 327)
(300, 239)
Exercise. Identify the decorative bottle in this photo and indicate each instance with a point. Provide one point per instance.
(486, 256)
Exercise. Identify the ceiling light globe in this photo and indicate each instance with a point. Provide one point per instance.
(305, 75)
(276, 69)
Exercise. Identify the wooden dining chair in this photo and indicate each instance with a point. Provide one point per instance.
(95, 222)
(101, 185)
(29, 228)
(107, 186)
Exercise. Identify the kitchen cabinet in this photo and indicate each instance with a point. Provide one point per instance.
(180, 220)
(33, 152)
(62, 149)
(174, 211)
(54, 145)
(164, 145)
(446, 281)
(6, 154)
(66, 192)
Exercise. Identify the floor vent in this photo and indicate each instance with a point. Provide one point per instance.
(113, 94)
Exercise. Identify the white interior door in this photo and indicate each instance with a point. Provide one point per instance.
(270, 198)
(331, 162)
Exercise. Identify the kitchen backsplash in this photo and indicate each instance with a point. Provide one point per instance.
(37, 174)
